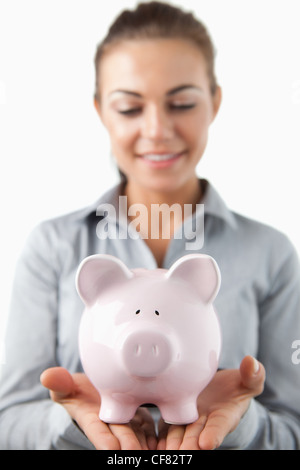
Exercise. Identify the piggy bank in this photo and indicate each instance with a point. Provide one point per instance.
(149, 336)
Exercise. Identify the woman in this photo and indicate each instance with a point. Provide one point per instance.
(156, 94)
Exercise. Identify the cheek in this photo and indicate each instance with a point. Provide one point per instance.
(122, 135)
(194, 130)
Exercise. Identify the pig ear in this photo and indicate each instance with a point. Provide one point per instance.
(96, 273)
(201, 272)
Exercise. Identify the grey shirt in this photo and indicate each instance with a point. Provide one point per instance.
(258, 307)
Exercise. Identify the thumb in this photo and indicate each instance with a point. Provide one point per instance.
(59, 381)
(252, 374)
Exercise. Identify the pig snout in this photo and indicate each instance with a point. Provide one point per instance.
(146, 353)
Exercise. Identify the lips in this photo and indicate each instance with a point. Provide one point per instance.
(154, 157)
(160, 160)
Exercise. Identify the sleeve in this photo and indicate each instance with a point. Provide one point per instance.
(272, 421)
(28, 418)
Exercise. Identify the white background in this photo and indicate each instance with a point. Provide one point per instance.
(55, 156)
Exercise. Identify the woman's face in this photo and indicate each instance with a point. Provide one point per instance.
(156, 105)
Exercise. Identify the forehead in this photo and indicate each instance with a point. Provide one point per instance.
(162, 63)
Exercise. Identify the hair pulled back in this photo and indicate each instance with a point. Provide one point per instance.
(157, 20)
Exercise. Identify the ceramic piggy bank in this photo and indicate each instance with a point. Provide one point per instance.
(149, 336)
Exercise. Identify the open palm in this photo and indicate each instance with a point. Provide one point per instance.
(82, 401)
(221, 406)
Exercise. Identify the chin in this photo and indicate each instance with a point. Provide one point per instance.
(164, 185)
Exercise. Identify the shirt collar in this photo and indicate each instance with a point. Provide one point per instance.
(214, 205)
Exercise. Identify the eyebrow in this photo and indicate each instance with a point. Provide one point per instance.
(171, 92)
(182, 88)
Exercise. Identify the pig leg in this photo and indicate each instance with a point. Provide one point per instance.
(180, 412)
(116, 412)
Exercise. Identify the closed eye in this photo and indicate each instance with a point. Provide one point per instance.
(130, 112)
(172, 107)
(182, 107)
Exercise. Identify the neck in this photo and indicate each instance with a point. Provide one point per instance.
(190, 193)
(157, 228)
(162, 211)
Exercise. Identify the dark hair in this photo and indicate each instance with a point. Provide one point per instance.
(158, 20)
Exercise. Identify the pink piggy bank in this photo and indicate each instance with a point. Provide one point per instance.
(149, 336)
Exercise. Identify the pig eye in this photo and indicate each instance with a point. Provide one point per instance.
(137, 312)
(156, 312)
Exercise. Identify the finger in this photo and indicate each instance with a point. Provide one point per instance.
(99, 433)
(147, 426)
(61, 384)
(126, 437)
(151, 441)
(162, 434)
(174, 437)
(252, 374)
(217, 426)
(59, 381)
(191, 436)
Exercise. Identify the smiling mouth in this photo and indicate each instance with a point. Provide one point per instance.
(156, 157)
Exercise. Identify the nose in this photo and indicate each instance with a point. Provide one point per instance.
(146, 353)
(157, 125)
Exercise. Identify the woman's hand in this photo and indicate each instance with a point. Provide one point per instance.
(81, 400)
(221, 405)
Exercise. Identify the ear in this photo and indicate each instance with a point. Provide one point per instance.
(216, 102)
(97, 106)
(96, 273)
(201, 272)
